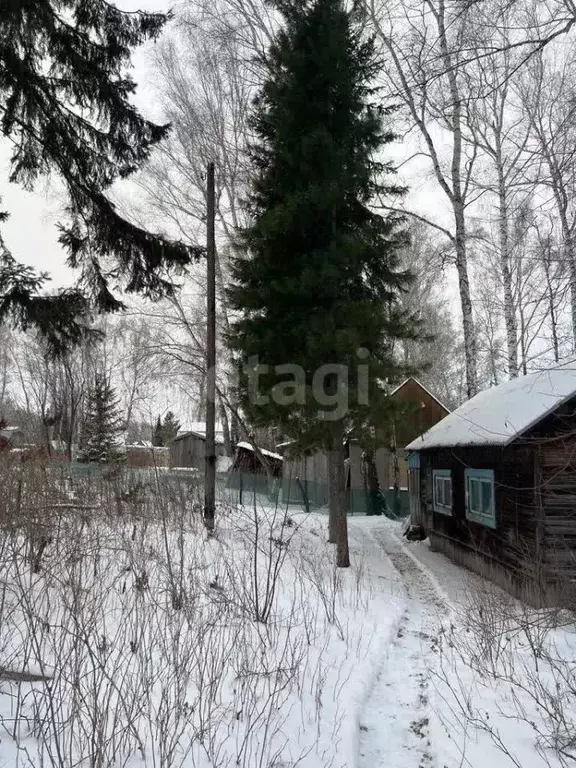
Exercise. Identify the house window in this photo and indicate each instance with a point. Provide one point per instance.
(442, 491)
(480, 499)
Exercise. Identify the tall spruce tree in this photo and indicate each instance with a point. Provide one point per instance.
(317, 277)
(170, 427)
(166, 430)
(65, 107)
(158, 436)
(101, 435)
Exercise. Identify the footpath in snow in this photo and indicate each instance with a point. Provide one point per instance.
(395, 721)
(470, 677)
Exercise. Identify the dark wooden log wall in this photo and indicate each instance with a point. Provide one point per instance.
(512, 545)
(557, 491)
(554, 444)
(532, 551)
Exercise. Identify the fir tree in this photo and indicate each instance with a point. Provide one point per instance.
(66, 108)
(317, 279)
(158, 436)
(103, 427)
(165, 431)
(170, 427)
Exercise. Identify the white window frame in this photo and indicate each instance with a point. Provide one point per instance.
(483, 478)
(441, 478)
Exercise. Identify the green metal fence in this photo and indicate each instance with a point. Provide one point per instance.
(245, 487)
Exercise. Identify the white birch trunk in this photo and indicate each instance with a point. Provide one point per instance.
(504, 229)
(458, 205)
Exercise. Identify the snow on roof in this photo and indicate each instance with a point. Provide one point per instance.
(498, 415)
(285, 444)
(198, 428)
(263, 451)
(425, 389)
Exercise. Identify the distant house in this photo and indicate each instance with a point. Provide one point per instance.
(494, 484)
(144, 454)
(248, 473)
(304, 475)
(10, 437)
(420, 410)
(247, 460)
(188, 448)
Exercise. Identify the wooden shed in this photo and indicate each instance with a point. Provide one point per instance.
(188, 449)
(247, 461)
(495, 485)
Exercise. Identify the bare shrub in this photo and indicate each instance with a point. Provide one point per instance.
(527, 654)
(140, 638)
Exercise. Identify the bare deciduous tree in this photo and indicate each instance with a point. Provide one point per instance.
(548, 95)
(423, 42)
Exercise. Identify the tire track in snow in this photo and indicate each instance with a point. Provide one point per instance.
(394, 726)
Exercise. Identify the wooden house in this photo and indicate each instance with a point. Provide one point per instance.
(10, 437)
(494, 484)
(246, 460)
(419, 410)
(188, 449)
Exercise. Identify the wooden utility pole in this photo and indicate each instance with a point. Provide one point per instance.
(210, 458)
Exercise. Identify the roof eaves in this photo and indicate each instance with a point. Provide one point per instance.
(501, 443)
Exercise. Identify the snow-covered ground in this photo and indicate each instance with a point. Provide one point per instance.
(472, 677)
(144, 642)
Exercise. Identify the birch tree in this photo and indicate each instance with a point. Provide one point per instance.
(423, 41)
(556, 287)
(548, 94)
(437, 355)
(205, 80)
(498, 130)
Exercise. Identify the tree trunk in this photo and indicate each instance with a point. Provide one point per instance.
(375, 501)
(333, 459)
(562, 201)
(523, 349)
(395, 472)
(338, 519)
(304, 492)
(568, 242)
(47, 430)
(225, 428)
(458, 206)
(571, 255)
(509, 313)
(552, 309)
(470, 346)
(210, 460)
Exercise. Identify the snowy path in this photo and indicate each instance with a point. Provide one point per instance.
(394, 723)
